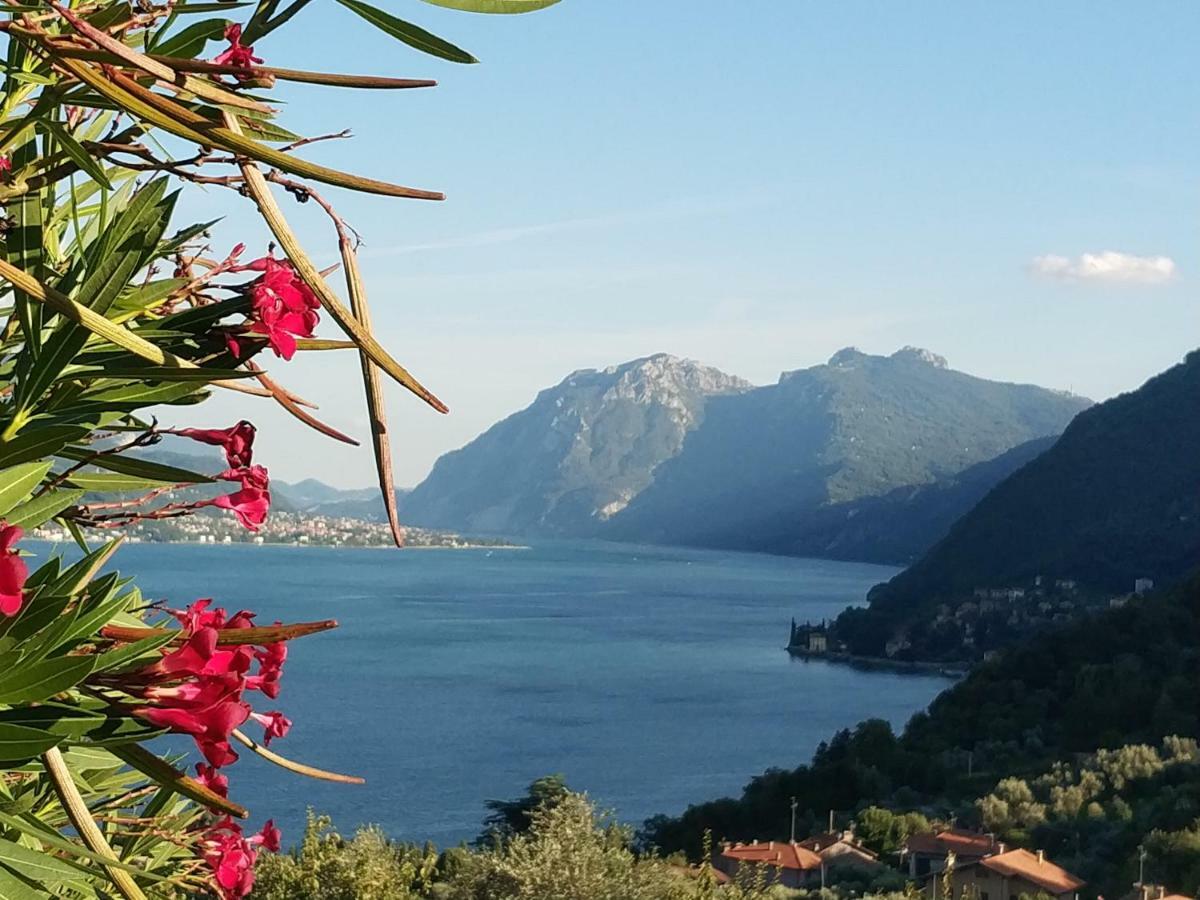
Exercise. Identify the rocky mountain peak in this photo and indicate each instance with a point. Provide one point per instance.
(919, 354)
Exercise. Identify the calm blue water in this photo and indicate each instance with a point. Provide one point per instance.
(650, 677)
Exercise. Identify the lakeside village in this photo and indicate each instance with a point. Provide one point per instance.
(942, 864)
(288, 528)
(972, 628)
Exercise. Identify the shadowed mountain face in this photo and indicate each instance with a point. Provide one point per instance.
(899, 526)
(668, 451)
(576, 456)
(781, 468)
(1116, 498)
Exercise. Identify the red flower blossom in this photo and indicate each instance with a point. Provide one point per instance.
(237, 442)
(198, 616)
(199, 656)
(250, 504)
(275, 725)
(282, 306)
(5, 165)
(270, 667)
(13, 571)
(237, 54)
(197, 687)
(208, 709)
(212, 779)
(232, 856)
(268, 838)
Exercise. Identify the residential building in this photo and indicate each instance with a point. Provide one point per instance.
(797, 864)
(1143, 586)
(783, 862)
(927, 853)
(1005, 876)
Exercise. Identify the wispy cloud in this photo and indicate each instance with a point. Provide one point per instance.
(670, 210)
(1107, 266)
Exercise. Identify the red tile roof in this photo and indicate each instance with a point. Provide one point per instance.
(1030, 866)
(962, 843)
(780, 854)
(819, 843)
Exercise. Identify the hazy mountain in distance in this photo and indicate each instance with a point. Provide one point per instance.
(767, 464)
(576, 456)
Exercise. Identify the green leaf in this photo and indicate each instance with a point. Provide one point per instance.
(115, 481)
(158, 373)
(18, 743)
(40, 442)
(18, 483)
(415, 37)
(73, 724)
(44, 508)
(76, 151)
(43, 833)
(494, 7)
(38, 865)
(140, 468)
(191, 41)
(129, 653)
(13, 888)
(29, 684)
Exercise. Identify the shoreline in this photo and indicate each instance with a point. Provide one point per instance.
(297, 544)
(953, 671)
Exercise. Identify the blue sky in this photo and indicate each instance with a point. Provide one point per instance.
(752, 185)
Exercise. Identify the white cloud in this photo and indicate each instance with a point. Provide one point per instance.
(1109, 265)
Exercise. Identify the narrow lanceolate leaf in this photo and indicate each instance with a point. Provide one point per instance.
(496, 7)
(38, 866)
(417, 38)
(29, 684)
(14, 888)
(42, 509)
(86, 162)
(137, 467)
(18, 743)
(97, 324)
(18, 483)
(182, 122)
(381, 441)
(257, 636)
(39, 443)
(292, 407)
(165, 774)
(210, 91)
(256, 184)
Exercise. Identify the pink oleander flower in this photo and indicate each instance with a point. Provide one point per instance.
(210, 778)
(237, 54)
(199, 656)
(282, 306)
(5, 165)
(275, 725)
(13, 571)
(237, 441)
(198, 616)
(198, 687)
(270, 667)
(231, 856)
(208, 709)
(250, 505)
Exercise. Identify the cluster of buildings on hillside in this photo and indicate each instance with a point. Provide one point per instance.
(978, 624)
(948, 864)
(280, 528)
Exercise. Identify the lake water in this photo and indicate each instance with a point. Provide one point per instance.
(650, 677)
